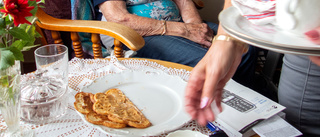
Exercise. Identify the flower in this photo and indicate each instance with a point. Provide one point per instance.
(17, 30)
(18, 9)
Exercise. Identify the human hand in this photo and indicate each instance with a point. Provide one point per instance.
(199, 33)
(208, 79)
(314, 36)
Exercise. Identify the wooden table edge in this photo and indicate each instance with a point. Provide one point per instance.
(164, 63)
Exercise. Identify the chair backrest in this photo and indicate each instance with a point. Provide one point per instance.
(122, 34)
(81, 40)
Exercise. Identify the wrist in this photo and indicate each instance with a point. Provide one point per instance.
(241, 45)
(177, 29)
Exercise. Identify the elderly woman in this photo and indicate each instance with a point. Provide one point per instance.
(172, 30)
(160, 22)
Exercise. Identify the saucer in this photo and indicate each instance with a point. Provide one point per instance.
(265, 36)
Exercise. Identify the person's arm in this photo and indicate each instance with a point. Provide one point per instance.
(188, 11)
(191, 16)
(210, 75)
(115, 11)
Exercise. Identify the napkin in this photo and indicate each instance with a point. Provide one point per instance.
(259, 12)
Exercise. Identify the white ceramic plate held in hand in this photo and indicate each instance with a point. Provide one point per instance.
(158, 95)
(265, 36)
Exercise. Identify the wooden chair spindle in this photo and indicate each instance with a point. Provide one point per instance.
(118, 49)
(56, 37)
(96, 45)
(77, 47)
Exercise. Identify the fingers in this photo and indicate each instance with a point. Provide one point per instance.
(208, 90)
(208, 33)
(202, 120)
(218, 100)
(205, 34)
(213, 77)
(193, 91)
(192, 112)
(206, 83)
(193, 96)
(207, 44)
(205, 115)
(314, 36)
(315, 60)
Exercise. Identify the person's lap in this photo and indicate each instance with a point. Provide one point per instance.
(183, 51)
(299, 92)
(174, 49)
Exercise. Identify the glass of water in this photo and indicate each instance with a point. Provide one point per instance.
(44, 96)
(53, 58)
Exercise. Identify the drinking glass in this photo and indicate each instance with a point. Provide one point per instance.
(44, 97)
(10, 102)
(53, 61)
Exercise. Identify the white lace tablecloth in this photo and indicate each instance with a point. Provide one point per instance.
(81, 73)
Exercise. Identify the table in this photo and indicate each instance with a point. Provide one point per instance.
(81, 71)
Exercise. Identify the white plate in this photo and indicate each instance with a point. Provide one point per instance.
(158, 95)
(186, 133)
(266, 36)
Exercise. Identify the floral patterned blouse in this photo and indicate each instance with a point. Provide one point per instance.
(155, 9)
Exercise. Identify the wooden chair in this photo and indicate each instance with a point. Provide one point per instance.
(121, 34)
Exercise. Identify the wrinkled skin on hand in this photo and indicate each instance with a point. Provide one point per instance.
(191, 28)
(199, 33)
(208, 78)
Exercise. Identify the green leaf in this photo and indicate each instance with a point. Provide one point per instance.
(4, 41)
(23, 26)
(7, 59)
(11, 93)
(8, 20)
(2, 45)
(38, 35)
(17, 53)
(2, 32)
(26, 48)
(33, 3)
(20, 34)
(2, 23)
(41, 4)
(31, 30)
(19, 44)
(4, 82)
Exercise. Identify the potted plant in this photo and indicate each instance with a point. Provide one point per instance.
(18, 34)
